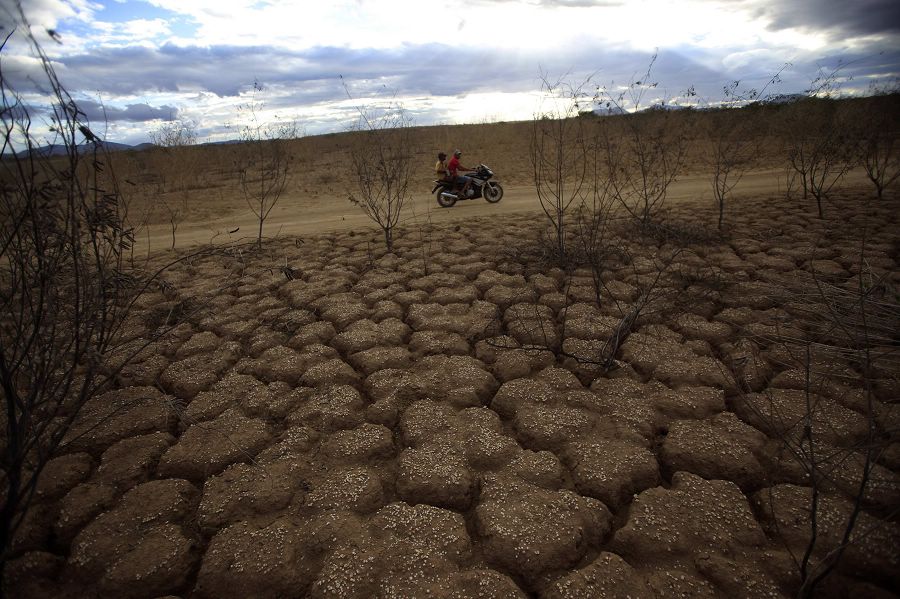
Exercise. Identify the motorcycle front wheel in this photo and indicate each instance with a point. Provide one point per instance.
(442, 200)
(492, 192)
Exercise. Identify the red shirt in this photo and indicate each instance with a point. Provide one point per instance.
(453, 166)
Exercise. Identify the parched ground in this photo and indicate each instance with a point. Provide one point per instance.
(331, 420)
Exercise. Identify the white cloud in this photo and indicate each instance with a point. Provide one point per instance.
(138, 31)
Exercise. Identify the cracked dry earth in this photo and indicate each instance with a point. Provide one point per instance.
(331, 420)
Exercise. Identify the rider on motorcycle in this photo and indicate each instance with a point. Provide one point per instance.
(454, 167)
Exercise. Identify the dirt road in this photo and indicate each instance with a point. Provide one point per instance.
(296, 215)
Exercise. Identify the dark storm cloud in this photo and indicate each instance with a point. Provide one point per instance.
(842, 18)
(226, 71)
(132, 112)
(168, 69)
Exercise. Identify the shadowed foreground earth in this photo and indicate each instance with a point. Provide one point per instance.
(331, 420)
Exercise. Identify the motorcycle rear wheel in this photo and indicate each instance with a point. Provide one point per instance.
(492, 192)
(443, 201)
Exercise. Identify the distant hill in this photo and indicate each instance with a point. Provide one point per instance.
(111, 146)
(221, 143)
(616, 110)
(85, 148)
(610, 111)
(783, 99)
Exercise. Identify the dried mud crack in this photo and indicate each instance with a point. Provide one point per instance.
(393, 425)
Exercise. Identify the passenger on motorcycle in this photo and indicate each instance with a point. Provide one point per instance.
(454, 167)
(440, 167)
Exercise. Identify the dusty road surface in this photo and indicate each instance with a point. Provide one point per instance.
(300, 215)
(460, 418)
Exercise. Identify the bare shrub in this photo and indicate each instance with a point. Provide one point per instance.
(733, 141)
(382, 164)
(584, 168)
(608, 254)
(592, 222)
(66, 284)
(175, 174)
(560, 155)
(175, 133)
(877, 127)
(175, 210)
(652, 293)
(264, 159)
(647, 154)
(841, 344)
(819, 147)
(819, 142)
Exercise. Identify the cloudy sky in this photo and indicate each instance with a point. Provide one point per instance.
(139, 63)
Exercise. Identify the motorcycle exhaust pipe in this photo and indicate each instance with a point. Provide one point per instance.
(448, 196)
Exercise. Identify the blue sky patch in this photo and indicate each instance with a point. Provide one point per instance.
(119, 12)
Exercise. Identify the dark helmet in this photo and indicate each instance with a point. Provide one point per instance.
(457, 153)
(441, 156)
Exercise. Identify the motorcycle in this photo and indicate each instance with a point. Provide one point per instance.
(481, 187)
